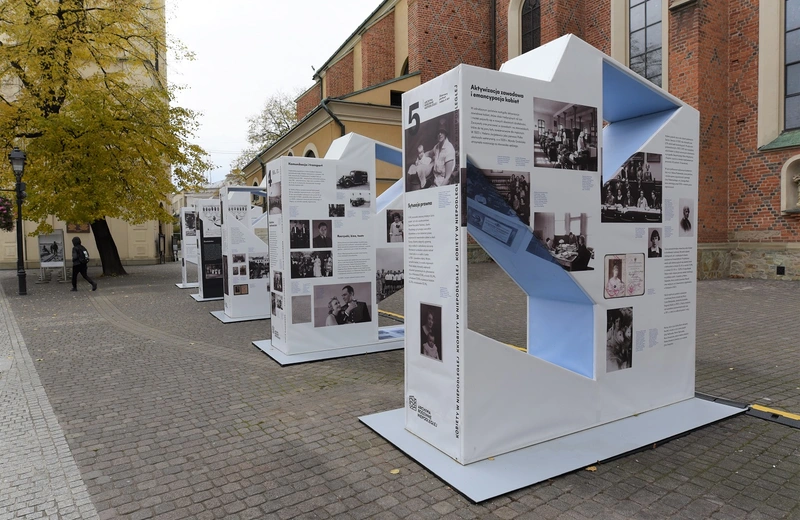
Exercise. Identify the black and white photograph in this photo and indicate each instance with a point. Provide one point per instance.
(301, 309)
(566, 237)
(321, 231)
(360, 199)
(654, 243)
(213, 270)
(51, 247)
(274, 203)
(615, 276)
(242, 270)
(389, 277)
(277, 281)
(225, 275)
(686, 224)
(342, 304)
(239, 211)
(507, 192)
(394, 225)
(347, 178)
(235, 271)
(241, 289)
(299, 234)
(274, 303)
(335, 210)
(431, 153)
(211, 215)
(311, 264)
(259, 266)
(565, 135)
(430, 317)
(238, 258)
(633, 193)
(279, 301)
(619, 339)
(189, 224)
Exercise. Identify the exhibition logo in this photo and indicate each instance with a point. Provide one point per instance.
(412, 403)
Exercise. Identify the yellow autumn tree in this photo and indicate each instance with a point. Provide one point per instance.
(83, 91)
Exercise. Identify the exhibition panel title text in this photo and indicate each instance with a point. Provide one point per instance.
(493, 94)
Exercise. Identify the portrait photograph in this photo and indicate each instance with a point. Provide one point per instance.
(299, 234)
(633, 193)
(566, 238)
(430, 316)
(565, 135)
(259, 266)
(311, 264)
(321, 233)
(431, 153)
(619, 339)
(342, 304)
(615, 277)
(273, 303)
(394, 225)
(654, 243)
(687, 218)
(235, 270)
(277, 281)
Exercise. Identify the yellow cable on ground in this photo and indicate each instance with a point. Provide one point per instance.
(788, 415)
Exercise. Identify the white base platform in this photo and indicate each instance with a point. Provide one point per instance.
(265, 345)
(190, 285)
(197, 298)
(487, 479)
(224, 318)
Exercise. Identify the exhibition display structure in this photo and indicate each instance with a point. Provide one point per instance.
(208, 219)
(328, 238)
(596, 225)
(245, 256)
(188, 218)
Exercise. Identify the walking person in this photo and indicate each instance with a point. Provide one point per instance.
(80, 261)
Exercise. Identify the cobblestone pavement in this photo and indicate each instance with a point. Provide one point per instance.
(141, 400)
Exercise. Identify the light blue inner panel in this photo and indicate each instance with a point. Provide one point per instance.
(391, 193)
(562, 333)
(627, 95)
(389, 155)
(512, 244)
(624, 138)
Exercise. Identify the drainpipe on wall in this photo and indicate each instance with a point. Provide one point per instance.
(324, 105)
(494, 34)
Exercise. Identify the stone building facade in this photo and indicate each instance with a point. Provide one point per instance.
(733, 60)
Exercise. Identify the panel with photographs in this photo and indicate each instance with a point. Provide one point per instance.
(390, 274)
(311, 264)
(566, 237)
(506, 192)
(565, 136)
(342, 304)
(633, 193)
(394, 225)
(624, 275)
(619, 339)
(430, 316)
(431, 153)
(299, 234)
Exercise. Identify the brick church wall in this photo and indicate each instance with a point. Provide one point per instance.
(377, 52)
(339, 79)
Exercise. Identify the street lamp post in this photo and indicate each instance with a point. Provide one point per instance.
(17, 159)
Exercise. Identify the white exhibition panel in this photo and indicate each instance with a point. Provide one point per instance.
(596, 224)
(208, 221)
(245, 255)
(188, 217)
(488, 479)
(322, 243)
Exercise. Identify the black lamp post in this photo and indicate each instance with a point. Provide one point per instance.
(17, 159)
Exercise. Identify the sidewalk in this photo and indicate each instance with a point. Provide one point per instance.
(134, 402)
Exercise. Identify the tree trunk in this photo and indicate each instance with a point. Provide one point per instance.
(109, 256)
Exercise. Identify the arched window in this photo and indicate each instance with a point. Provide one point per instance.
(310, 153)
(404, 68)
(531, 25)
(792, 63)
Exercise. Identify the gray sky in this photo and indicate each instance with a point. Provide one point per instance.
(248, 51)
